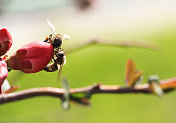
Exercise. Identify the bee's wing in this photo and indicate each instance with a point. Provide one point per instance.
(65, 37)
(51, 26)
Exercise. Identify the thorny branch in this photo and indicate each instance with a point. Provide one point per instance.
(166, 85)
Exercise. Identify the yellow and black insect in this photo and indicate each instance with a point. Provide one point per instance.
(58, 58)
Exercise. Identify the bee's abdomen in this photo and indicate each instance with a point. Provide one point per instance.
(51, 68)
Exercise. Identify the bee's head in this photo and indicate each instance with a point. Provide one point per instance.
(57, 42)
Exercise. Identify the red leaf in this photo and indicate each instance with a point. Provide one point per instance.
(132, 75)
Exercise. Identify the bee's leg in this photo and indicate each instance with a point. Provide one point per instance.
(56, 54)
(53, 59)
(51, 67)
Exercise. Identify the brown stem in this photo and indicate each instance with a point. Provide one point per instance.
(115, 43)
(166, 85)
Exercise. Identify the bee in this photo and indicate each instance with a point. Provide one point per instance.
(59, 57)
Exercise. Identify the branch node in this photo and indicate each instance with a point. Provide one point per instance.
(95, 87)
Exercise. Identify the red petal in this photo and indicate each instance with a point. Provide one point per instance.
(5, 35)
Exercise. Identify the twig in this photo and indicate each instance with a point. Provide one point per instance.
(166, 85)
(114, 43)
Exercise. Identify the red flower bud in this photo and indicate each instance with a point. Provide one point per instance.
(5, 41)
(31, 58)
(3, 72)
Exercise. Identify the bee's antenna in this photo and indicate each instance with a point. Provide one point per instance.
(51, 26)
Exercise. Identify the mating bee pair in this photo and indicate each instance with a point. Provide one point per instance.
(58, 58)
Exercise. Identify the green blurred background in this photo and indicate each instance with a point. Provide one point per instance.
(154, 21)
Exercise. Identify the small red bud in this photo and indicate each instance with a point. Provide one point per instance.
(5, 41)
(31, 58)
